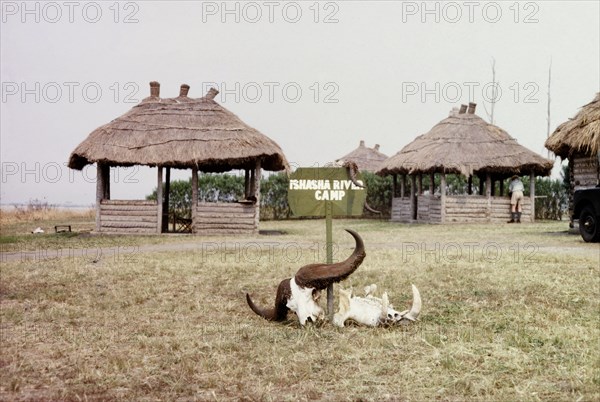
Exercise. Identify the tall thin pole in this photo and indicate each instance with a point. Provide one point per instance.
(99, 193)
(329, 254)
(532, 194)
(159, 199)
(443, 196)
(165, 222)
(495, 90)
(194, 198)
(548, 111)
(413, 197)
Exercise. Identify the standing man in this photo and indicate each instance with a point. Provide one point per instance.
(515, 190)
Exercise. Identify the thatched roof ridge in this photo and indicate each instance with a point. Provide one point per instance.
(465, 144)
(365, 158)
(581, 134)
(179, 132)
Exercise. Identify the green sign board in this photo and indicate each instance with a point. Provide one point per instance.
(310, 189)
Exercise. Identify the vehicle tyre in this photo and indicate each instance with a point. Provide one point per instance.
(589, 225)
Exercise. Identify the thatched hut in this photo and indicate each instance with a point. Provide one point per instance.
(183, 133)
(463, 144)
(366, 159)
(578, 140)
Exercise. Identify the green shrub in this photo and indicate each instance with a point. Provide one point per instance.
(379, 194)
(273, 197)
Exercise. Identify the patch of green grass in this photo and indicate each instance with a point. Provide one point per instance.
(8, 239)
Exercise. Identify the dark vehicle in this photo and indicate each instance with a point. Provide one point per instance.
(586, 204)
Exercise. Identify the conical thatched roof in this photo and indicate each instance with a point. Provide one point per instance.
(580, 134)
(179, 132)
(365, 158)
(464, 143)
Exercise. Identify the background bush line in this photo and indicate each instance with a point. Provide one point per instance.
(551, 202)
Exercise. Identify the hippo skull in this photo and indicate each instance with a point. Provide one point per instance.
(374, 311)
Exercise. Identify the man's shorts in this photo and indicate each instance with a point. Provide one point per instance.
(516, 198)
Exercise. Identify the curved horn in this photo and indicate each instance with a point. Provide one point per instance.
(279, 312)
(415, 309)
(319, 276)
(368, 208)
(352, 172)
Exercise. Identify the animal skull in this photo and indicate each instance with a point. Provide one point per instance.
(374, 311)
(304, 303)
(301, 293)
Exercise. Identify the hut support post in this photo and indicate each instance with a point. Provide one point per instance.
(256, 191)
(532, 194)
(194, 197)
(159, 199)
(488, 185)
(413, 197)
(488, 194)
(431, 183)
(100, 191)
(470, 184)
(394, 185)
(106, 181)
(403, 186)
(246, 183)
(165, 222)
(443, 197)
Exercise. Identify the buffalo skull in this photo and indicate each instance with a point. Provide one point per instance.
(300, 294)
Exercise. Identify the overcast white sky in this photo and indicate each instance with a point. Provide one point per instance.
(316, 77)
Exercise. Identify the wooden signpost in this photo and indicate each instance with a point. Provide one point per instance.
(325, 192)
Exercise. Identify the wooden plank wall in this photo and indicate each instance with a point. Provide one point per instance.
(401, 210)
(429, 209)
(459, 209)
(128, 216)
(500, 212)
(214, 218)
(585, 172)
(467, 209)
(480, 209)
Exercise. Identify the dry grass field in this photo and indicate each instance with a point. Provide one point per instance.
(510, 313)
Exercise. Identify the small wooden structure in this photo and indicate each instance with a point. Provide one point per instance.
(464, 144)
(183, 133)
(366, 159)
(578, 140)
